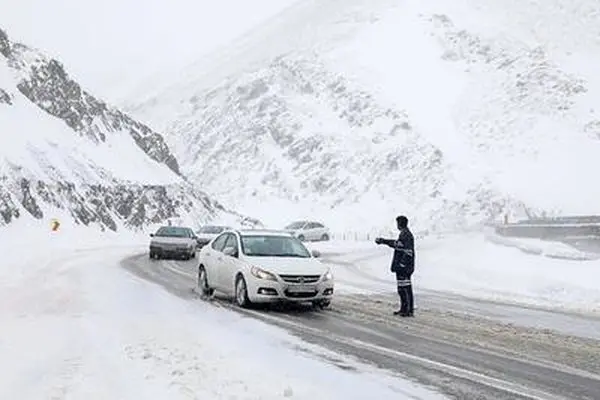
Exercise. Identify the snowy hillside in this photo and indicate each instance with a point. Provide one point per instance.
(64, 152)
(444, 111)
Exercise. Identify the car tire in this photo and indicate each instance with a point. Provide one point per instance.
(241, 292)
(325, 237)
(301, 238)
(202, 283)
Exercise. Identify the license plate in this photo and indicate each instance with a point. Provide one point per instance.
(301, 288)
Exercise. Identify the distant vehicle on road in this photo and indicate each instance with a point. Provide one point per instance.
(308, 230)
(209, 232)
(262, 266)
(173, 241)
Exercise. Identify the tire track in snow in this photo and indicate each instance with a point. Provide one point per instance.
(442, 349)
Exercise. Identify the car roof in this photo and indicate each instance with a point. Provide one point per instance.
(174, 227)
(228, 227)
(263, 232)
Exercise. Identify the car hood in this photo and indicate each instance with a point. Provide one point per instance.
(289, 265)
(171, 240)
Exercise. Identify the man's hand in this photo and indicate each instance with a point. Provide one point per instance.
(378, 240)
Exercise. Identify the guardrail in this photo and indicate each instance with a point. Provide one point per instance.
(370, 235)
(361, 236)
(563, 228)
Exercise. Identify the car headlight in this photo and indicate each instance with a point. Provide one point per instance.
(328, 276)
(262, 274)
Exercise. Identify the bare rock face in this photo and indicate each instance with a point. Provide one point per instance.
(5, 97)
(4, 44)
(106, 207)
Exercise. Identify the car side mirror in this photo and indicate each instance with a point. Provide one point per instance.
(316, 253)
(152, 235)
(231, 252)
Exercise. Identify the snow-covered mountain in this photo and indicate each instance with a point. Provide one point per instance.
(452, 112)
(64, 152)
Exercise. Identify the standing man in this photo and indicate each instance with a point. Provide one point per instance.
(403, 265)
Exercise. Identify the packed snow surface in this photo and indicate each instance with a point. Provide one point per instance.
(76, 325)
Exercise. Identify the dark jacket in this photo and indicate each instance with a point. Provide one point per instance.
(404, 252)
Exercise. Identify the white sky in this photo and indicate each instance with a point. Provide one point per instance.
(110, 45)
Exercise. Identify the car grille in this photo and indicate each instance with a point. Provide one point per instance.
(170, 247)
(173, 246)
(301, 279)
(302, 295)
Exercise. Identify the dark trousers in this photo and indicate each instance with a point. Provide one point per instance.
(405, 291)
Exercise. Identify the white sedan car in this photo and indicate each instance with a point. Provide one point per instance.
(259, 266)
(308, 230)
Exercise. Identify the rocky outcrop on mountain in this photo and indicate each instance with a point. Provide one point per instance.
(45, 82)
(105, 206)
(5, 98)
(56, 172)
(4, 44)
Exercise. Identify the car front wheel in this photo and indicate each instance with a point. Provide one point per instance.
(241, 292)
(202, 284)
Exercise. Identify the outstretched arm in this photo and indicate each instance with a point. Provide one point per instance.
(395, 244)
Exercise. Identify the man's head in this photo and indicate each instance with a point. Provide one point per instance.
(401, 221)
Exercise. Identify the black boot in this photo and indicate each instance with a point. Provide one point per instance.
(403, 311)
(410, 310)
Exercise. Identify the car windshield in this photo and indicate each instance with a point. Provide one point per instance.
(212, 229)
(273, 246)
(296, 225)
(173, 231)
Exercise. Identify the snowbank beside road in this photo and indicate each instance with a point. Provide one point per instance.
(472, 266)
(542, 247)
(74, 324)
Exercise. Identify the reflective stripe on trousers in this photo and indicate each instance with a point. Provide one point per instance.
(403, 282)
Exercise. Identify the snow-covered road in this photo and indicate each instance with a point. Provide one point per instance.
(84, 318)
(460, 350)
